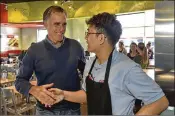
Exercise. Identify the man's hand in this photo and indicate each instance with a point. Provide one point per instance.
(59, 94)
(42, 94)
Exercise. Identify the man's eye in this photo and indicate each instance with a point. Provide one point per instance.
(57, 24)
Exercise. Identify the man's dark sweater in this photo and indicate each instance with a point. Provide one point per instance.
(51, 65)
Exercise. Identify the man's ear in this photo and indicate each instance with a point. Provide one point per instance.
(102, 38)
(45, 24)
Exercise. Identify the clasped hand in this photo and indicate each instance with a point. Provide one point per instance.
(47, 95)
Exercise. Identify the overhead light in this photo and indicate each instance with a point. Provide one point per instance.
(55, 2)
(70, 7)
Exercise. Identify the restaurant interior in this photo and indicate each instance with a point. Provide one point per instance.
(21, 25)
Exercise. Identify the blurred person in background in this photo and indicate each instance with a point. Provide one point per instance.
(112, 81)
(142, 57)
(23, 52)
(150, 51)
(54, 62)
(8, 58)
(122, 48)
(133, 51)
(87, 55)
(1, 60)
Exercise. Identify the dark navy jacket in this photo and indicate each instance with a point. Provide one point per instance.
(51, 65)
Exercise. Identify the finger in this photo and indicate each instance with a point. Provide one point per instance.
(47, 105)
(48, 85)
(59, 98)
(52, 89)
(57, 91)
(45, 99)
(41, 101)
(50, 94)
(50, 100)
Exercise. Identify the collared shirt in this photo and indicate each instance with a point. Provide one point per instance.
(55, 45)
(127, 82)
(58, 66)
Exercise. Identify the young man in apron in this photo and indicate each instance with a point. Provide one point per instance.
(112, 82)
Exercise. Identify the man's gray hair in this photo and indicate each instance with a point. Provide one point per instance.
(51, 9)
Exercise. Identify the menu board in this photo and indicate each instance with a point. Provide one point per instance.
(9, 42)
(9, 45)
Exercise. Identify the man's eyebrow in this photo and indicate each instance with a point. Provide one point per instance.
(57, 23)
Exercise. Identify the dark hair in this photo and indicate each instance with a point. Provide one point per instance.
(32, 43)
(87, 53)
(133, 43)
(107, 24)
(149, 43)
(51, 9)
(141, 45)
(121, 42)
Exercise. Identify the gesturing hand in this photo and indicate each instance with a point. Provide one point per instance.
(59, 94)
(43, 95)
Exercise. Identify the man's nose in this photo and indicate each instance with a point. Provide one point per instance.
(86, 37)
(60, 29)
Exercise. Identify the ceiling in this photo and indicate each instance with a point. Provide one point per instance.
(17, 1)
(22, 11)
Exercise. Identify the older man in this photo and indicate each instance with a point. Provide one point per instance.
(54, 61)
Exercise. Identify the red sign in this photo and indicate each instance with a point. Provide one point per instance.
(10, 36)
(3, 13)
(10, 52)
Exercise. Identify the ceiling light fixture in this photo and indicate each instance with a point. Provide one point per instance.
(70, 7)
(55, 2)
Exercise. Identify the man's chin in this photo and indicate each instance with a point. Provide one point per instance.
(89, 50)
(59, 39)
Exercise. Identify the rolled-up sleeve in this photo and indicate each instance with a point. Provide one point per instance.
(22, 83)
(142, 87)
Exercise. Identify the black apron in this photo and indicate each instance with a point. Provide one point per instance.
(98, 93)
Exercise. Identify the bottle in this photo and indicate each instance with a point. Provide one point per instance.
(4, 74)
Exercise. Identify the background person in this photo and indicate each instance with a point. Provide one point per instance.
(122, 48)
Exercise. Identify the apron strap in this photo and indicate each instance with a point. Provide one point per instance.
(106, 94)
(92, 65)
(107, 68)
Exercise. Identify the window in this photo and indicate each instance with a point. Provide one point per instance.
(131, 20)
(41, 34)
(133, 32)
(4, 43)
(137, 27)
